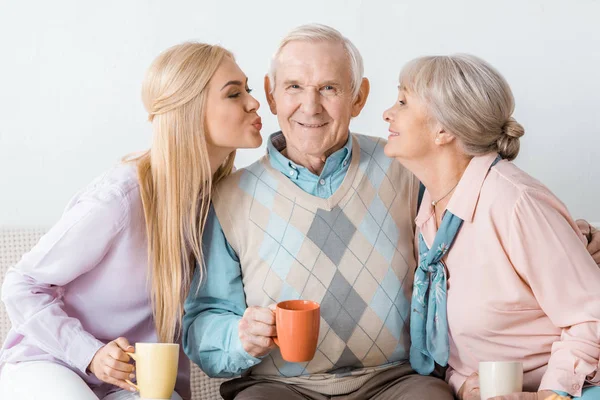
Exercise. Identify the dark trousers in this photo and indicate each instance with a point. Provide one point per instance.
(398, 383)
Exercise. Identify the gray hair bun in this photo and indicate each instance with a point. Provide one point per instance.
(508, 143)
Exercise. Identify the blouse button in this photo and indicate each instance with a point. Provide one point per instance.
(322, 182)
(576, 386)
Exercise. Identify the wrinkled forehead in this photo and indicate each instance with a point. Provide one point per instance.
(314, 61)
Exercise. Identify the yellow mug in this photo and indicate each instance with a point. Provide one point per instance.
(155, 369)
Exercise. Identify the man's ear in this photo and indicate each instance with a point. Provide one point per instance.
(269, 95)
(361, 98)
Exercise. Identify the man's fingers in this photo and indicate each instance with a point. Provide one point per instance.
(594, 246)
(260, 329)
(260, 341)
(583, 226)
(261, 314)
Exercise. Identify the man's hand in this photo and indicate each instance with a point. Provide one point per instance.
(593, 236)
(541, 395)
(111, 364)
(470, 389)
(257, 329)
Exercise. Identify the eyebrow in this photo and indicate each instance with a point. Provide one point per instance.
(290, 82)
(402, 88)
(325, 83)
(236, 83)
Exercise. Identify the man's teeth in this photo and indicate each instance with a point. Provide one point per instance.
(312, 125)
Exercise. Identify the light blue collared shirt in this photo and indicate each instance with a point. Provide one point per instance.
(210, 323)
(323, 186)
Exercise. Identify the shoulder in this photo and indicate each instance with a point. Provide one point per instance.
(513, 181)
(373, 159)
(111, 193)
(245, 179)
(370, 145)
(512, 187)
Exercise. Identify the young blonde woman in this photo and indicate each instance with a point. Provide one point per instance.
(504, 274)
(117, 266)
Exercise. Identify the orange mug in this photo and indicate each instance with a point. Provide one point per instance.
(297, 324)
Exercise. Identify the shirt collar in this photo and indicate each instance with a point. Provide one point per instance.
(335, 162)
(465, 197)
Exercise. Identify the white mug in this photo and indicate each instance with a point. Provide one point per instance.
(499, 378)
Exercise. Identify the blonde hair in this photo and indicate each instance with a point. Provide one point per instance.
(469, 98)
(175, 175)
(316, 33)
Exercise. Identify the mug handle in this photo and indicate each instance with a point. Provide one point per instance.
(134, 356)
(275, 338)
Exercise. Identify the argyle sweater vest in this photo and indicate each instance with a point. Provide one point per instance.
(352, 253)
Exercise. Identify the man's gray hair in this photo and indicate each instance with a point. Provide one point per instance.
(322, 33)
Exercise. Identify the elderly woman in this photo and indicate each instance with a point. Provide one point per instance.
(503, 270)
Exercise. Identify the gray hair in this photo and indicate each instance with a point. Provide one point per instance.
(322, 33)
(469, 98)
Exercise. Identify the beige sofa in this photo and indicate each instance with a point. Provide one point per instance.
(15, 242)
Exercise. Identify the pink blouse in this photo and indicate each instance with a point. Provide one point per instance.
(521, 284)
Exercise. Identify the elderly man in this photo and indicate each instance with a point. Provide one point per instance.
(324, 216)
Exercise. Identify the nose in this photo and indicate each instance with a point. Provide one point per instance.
(252, 105)
(311, 102)
(388, 115)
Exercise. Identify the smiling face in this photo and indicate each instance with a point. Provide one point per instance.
(412, 133)
(313, 97)
(231, 118)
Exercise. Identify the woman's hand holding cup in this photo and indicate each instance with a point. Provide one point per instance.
(470, 389)
(257, 329)
(111, 363)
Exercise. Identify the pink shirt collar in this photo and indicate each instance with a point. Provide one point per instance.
(465, 197)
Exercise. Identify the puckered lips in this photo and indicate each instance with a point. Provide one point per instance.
(257, 123)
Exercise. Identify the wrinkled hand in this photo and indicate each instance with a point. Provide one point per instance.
(110, 364)
(541, 395)
(257, 329)
(470, 389)
(593, 236)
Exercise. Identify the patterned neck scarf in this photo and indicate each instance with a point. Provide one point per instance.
(428, 318)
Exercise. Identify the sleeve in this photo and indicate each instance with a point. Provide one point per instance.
(33, 289)
(214, 308)
(548, 251)
(454, 379)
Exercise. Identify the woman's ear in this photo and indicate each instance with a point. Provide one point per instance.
(443, 137)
